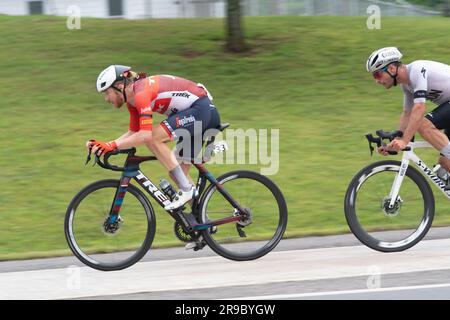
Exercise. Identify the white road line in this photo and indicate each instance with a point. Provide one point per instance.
(210, 272)
(341, 292)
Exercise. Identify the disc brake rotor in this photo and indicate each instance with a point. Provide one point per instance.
(391, 211)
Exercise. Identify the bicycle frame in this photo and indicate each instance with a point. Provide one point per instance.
(131, 170)
(411, 156)
(204, 175)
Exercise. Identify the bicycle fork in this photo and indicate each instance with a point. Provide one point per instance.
(393, 195)
(111, 223)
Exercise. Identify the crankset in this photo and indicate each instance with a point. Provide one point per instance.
(182, 235)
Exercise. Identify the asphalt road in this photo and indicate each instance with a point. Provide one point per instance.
(335, 267)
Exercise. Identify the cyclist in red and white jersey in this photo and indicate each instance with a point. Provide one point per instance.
(186, 104)
(420, 80)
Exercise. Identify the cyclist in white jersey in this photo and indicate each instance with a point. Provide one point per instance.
(420, 80)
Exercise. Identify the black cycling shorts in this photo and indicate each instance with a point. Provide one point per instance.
(440, 117)
(188, 127)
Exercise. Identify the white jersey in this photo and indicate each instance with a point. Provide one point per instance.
(429, 80)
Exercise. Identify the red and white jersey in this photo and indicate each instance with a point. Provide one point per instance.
(164, 94)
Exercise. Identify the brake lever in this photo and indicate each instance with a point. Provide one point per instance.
(371, 139)
(371, 148)
(88, 156)
(379, 142)
(96, 158)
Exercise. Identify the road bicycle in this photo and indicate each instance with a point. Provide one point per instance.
(110, 224)
(394, 196)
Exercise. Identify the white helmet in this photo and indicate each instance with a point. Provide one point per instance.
(382, 57)
(110, 75)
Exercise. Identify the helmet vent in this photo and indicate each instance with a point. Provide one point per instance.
(374, 60)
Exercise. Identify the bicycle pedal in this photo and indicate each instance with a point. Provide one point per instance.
(200, 246)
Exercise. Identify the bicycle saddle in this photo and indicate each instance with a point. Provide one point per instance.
(222, 126)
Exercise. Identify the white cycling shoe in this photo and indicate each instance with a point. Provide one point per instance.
(190, 245)
(181, 198)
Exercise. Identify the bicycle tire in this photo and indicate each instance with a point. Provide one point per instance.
(363, 235)
(71, 238)
(282, 213)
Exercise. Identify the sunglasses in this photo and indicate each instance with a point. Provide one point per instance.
(379, 73)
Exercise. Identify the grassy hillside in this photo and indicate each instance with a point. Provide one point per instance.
(304, 76)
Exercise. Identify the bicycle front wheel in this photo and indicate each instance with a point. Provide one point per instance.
(371, 219)
(98, 246)
(251, 239)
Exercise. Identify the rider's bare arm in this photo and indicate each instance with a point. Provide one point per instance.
(415, 120)
(126, 135)
(133, 140)
(404, 119)
(413, 124)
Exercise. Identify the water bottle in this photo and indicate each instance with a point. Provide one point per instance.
(441, 172)
(167, 188)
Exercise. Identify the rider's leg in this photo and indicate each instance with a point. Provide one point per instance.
(437, 139)
(187, 127)
(430, 128)
(185, 167)
(433, 135)
(444, 162)
(158, 145)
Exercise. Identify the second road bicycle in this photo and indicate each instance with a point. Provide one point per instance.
(389, 205)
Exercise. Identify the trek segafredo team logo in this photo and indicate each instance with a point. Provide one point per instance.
(183, 121)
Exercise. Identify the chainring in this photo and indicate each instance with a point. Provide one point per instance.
(181, 234)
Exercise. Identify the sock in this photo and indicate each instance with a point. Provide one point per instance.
(181, 178)
(445, 151)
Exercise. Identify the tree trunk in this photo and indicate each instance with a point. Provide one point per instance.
(235, 34)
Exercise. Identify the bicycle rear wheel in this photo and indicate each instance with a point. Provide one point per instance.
(369, 216)
(256, 236)
(104, 249)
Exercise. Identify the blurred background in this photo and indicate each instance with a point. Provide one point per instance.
(299, 67)
(145, 9)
